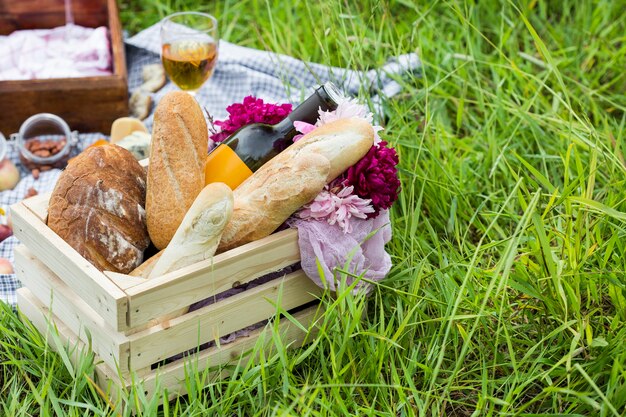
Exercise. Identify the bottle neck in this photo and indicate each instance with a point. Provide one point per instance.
(308, 110)
(326, 97)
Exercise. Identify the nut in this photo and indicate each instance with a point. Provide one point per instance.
(44, 148)
(31, 192)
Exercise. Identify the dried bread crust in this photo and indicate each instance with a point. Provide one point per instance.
(97, 207)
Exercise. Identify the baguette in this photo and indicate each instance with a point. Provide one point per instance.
(177, 159)
(200, 231)
(263, 204)
(343, 142)
(293, 178)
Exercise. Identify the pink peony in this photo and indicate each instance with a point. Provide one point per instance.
(337, 204)
(346, 109)
(375, 177)
(252, 110)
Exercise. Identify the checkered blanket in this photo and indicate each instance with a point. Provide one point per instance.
(240, 72)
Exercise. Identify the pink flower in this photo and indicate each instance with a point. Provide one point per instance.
(303, 128)
(375, 177)
(346, 109)
(252, 110)
(337, 204)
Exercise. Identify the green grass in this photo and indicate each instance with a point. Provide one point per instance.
(508, 291)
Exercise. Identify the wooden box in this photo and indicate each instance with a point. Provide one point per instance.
(133, 323)
(87, 104)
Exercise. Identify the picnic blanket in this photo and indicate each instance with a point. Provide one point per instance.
(240, 72)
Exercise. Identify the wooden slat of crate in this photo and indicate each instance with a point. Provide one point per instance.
(153, 297)
(38, 14)
(118, 53)
(93, 286)
(142, 349)
(45, 321)
(172, 376)
(38, 205)
(111, 346)
(124, 281)
(209, 323)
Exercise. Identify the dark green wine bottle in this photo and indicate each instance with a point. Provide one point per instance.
(247, 149)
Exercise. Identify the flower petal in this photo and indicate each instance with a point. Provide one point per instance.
(304, 127)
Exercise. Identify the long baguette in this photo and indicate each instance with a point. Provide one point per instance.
(199, 233)
(343, 142)
(293, 178)
(177, 158)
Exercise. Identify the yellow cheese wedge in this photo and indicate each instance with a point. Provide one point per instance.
(124, 126)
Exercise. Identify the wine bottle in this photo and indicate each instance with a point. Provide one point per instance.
(247, 149)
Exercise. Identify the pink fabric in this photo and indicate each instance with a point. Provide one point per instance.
(328, 243)
(67, 51)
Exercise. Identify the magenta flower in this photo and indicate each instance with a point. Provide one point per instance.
(337, 204)
(375, 177)
(252, 110)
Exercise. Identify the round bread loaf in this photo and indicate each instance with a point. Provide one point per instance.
(178, 153)
(97, 206)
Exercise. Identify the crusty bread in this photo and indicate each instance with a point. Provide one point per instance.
(177, 158)
(293, 178)
(153, 77)
(343, 142)
(97, 206)
(146, 267)
(139, 104)
(217, 194)
(200, 231)
(265, 202)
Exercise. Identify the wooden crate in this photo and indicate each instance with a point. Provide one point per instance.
(133, 323)
(87, 104)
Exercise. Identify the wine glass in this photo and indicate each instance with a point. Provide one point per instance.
(189, 43)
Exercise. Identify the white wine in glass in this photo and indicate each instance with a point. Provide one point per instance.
(189, 48)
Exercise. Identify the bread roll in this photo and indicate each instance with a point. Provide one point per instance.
(177, 158)
(198, 235)
(97, 206)
(293, 178)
